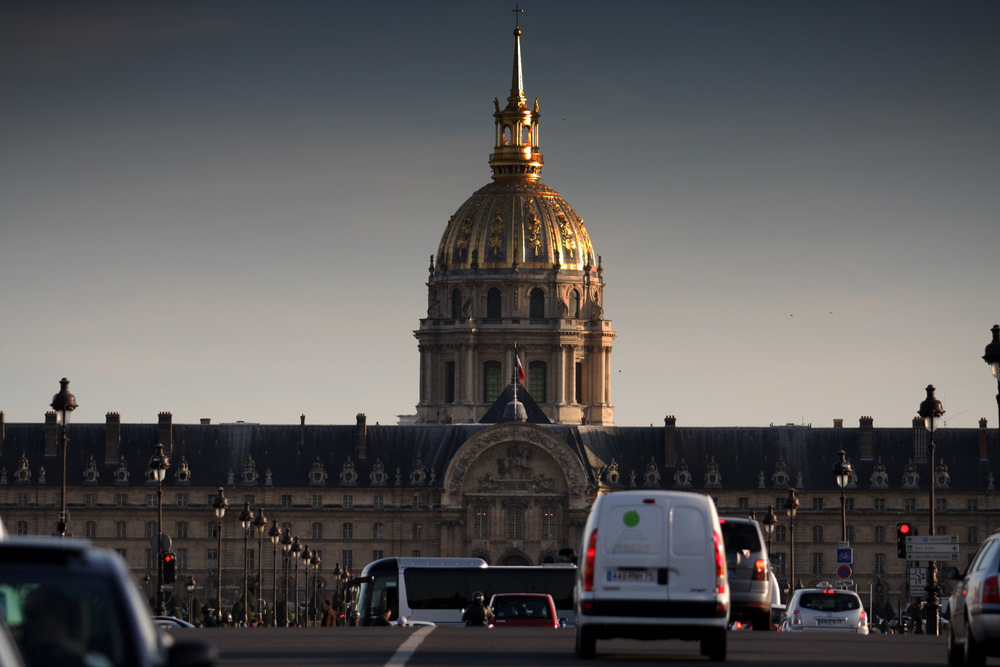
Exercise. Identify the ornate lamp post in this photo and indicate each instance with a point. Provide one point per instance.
(260, 524)
(275, 535)
(842, 472)
(63, 403)
(769, 522)
(791, 507)
(931, 409)
(145, 585)
(158, 464)
(219, 505)
(992, 357)
(246, 520)
(190, 586)
(314, 562)
(286, 548)
(305, 583)
(293, 553)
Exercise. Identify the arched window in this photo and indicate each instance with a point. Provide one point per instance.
(493, 304)
(536, 305)
(515, 522)
(456, 303)
(492, 381)
(449, 382)
(378, 531)
(574, 304)
(536, 380)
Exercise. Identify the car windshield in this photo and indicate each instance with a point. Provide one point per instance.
(58, 621)
(832, 602)
(740, 537)
(521, 607)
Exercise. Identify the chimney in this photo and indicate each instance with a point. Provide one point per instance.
(3, 429)
(670, 441)
(866, 438)
(51, 433)
(205, 421)
(361, 436)
(983, 454)
(302, 430)
(112, 437)
(838, 423)
(166, 433)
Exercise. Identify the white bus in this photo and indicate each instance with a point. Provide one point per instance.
(437, 589)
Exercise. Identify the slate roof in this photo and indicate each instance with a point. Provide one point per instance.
(214, 451)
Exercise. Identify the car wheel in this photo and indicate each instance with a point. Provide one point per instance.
(714, 646)
(975, 656)
(762, 621)
(586, 642)
(955, 656)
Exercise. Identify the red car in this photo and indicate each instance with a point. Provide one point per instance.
(524, 610)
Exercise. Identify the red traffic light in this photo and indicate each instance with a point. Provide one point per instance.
(904, 528)
(167, 558)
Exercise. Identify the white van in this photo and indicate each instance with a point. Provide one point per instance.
(652, 566)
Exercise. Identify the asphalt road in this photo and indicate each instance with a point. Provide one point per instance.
(445, 647)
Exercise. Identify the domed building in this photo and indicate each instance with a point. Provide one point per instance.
(515, 267)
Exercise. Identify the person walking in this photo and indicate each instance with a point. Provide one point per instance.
(329, 616)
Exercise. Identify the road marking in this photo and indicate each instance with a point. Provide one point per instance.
(409, 647)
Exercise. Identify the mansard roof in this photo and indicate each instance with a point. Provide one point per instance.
(706, 458)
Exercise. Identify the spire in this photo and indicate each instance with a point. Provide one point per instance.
(517, 99)
(516, 156)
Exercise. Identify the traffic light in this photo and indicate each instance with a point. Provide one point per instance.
(903, 530)
(169, 568)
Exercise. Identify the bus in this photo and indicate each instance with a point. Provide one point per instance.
(436, 590)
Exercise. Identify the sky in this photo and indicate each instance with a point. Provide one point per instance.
(226, 210)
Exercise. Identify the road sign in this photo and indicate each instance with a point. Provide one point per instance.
(845, 556)
(932, 552)
(844, 571)
(932, 539)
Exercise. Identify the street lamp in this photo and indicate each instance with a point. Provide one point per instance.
(791, 507)
(190, 586)
(314, 562)
(305, 583)
(842, 472)
(275, 535)
(769, 522)
(219, 505)
(260, 523)
(63, 403)
(145, 586)
(992, 357)
(246, 520)
(286, 548)
(293, 553)
(158, 464)
(931, 409)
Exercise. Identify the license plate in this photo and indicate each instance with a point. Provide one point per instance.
(829, 621)
(631, 575)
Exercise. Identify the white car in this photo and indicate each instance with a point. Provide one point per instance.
(825, 608)
(974, 609)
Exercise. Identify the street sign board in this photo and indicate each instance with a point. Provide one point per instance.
(931, 539)
(845, 556)
(844, 571)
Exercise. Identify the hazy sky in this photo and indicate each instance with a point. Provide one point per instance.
(226, 209)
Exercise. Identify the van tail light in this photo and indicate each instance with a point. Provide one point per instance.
(760, 570)
(797, 618)
(720, 565)
(991, 592)
(588, 562)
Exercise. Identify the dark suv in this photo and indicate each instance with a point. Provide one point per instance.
(68, 602)
(749, 572)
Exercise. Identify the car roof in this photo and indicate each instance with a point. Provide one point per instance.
(55, 551)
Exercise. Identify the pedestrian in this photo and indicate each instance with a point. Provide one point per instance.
(329, 617)
(477, 613)
(383, 618)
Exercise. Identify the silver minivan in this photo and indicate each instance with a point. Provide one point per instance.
(749, 572)
(652, 566)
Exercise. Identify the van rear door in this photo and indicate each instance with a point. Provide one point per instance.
(633, 558)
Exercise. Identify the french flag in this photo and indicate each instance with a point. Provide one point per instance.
(519, 369)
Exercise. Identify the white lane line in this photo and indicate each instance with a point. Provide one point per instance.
(409, 647)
